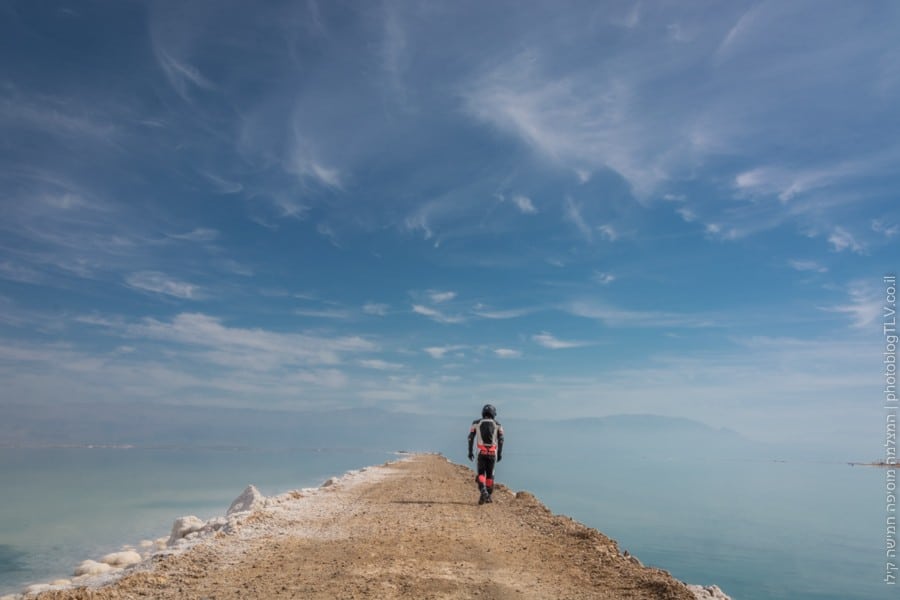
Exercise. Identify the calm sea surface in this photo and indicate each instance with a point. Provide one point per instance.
(760, 530)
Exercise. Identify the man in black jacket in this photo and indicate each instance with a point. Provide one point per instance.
(487, 433)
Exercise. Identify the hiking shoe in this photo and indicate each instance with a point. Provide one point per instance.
(489, 499)
(485, 497)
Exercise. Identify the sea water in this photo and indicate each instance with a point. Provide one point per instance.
(758, 529)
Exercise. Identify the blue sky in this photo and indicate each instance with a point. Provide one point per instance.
(567, 209)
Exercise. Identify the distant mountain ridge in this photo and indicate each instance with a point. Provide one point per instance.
(355, 428)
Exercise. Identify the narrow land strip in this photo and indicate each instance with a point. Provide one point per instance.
(410, 529)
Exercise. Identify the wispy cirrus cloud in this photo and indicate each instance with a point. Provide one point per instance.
(222, 185)
(59, 117)
(230, 345)
(308, 168)
(160, 283)
(439, 297)
(577, 120)
(603, 278)
(182, 76)
(572, 214)
(524, 204)
(376, 308)
(618, 317)
(380, 365)
(807, 265)
(864, 307)
(199, 234)
(548, 340)
(608, 232)
(439, 352)
(485, 312)
(323, 313)
(507, 353)
(885, 229)
(436, 315)
(841, 239)
(14, 271)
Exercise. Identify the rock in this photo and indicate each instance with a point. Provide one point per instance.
(60, 582)
(329, 482)
(146, 544)
(709, 592)
(122, 559)
(250, 499)
(10, 597)
(91, 567)
(183, 526)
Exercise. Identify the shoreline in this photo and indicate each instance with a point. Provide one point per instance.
(313, 516)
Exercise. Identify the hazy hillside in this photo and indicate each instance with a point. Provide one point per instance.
(647, 436)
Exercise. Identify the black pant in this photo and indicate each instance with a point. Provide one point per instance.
(485, 477)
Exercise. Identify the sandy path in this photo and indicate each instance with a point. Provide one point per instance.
(412, 529)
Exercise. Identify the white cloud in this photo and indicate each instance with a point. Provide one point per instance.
(288, 206)
(865, 306)
(439, 297)
(513, 313)
(328, 313)
(507, 353)
(328, 233)
(380, 365)
(419, 221)
(787, 184)
(436, 315)
(238, 344)
(613, 316)
(160, 283)
(608, 232)
(200, 234)
(807, 265)
(221, 185)
(604, 278)
(304, 163)
(743, 24)
(56, 116)
(18, 272)
(841, 239)
(687, 215)
(889, 231)
(233, 266)
(572, 213)
(182, 75)
(582, 119)
(439, 352)
(374, 308)
(524, 204)
(549, 341)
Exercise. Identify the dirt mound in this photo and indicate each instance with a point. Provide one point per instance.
(413, 531)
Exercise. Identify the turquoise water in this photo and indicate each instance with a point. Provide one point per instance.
(760, 530)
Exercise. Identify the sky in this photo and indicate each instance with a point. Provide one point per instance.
(567, 209)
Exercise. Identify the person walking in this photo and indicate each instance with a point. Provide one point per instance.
(487, 434)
